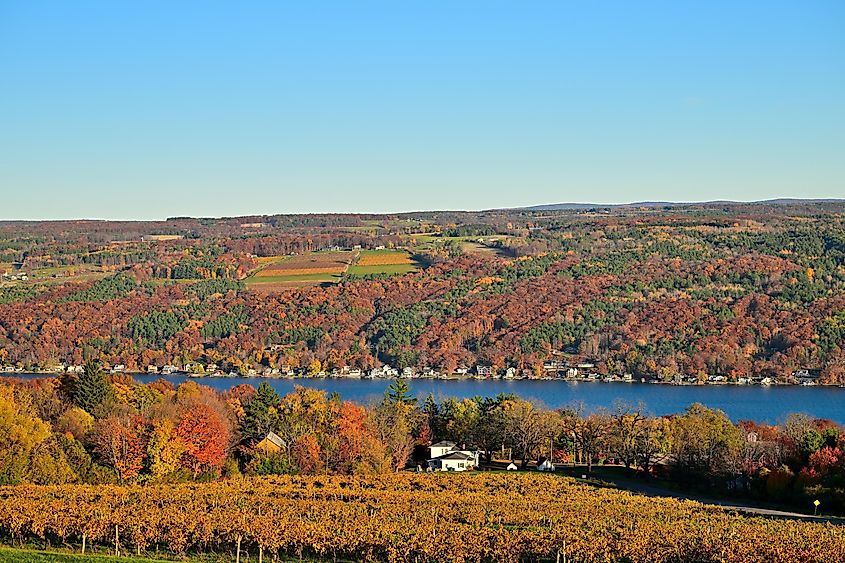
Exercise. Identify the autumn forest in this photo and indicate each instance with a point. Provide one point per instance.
(97, 461)
(739, 291)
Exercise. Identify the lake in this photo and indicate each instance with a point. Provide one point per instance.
(762, 404)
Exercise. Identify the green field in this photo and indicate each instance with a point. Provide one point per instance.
(9, 555)
(381, 252)
(355, 269)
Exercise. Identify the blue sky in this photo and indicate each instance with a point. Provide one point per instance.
(153, 109)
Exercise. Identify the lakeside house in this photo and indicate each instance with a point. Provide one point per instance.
(484, 371)
(446, 456)
(806, 377)
(554, 365)
(384, 371)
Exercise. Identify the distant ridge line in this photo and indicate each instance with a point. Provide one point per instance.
(777, 201)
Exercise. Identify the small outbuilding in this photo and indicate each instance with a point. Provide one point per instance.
(545, 465)
(271, 443)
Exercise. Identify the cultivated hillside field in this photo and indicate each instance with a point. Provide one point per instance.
(405, 517)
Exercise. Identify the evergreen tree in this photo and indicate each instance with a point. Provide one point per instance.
(399, 392)
(91, 389)
(261, 414)
(432, 413)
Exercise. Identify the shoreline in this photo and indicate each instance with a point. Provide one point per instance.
(459, 378)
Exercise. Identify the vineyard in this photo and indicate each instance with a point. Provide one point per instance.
(314, 263)
(383, 257)
(383, 262)
(299, 271)
(479, 517)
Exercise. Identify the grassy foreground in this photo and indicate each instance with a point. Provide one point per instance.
(406, 517)
(11, 555)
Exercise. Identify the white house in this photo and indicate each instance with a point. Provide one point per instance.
(445, 456)
(484, 371)
(554, 365)
(384, 371)
(512, 467)
(442, 448)
(453, 461)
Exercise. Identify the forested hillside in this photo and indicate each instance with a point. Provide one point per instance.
(740, 291)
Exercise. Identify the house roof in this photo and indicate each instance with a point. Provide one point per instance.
(275, 439)
(443, 444)
(460, 456)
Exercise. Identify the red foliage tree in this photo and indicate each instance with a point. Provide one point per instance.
(121, 442)
(307, 454)
(206, 434)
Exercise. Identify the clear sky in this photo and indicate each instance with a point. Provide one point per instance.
(152, 109)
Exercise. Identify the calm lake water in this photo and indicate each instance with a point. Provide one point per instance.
(762, 404)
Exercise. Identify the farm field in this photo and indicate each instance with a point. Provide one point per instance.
(263, 261)
(301, 270)
(74, 272)
(384, 256)
(406, 517)
(45, 277)
(386, 261)
(473, 247)
(467, 244)
(307, 264)
(315, 268)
